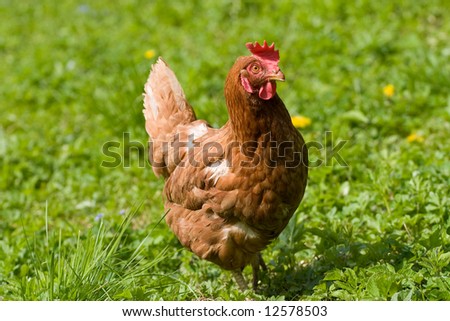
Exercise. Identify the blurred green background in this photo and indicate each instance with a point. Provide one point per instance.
(375, 74)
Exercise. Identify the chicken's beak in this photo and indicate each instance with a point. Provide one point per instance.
(276, 76)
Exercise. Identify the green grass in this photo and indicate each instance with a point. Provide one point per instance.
(72, 79)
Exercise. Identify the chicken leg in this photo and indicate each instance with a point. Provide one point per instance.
(256, 264)
(237, 274)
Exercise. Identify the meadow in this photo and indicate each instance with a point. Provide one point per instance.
(374, 74)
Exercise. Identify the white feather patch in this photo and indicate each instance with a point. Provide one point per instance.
(198, 130)
(195, 132)
(218, 169)
(239, 228)
(150, 100)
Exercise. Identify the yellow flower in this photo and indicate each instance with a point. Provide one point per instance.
(149, 54)
(389, 90)
(414, 137)
(301, 121)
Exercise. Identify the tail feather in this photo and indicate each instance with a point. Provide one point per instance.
(165, 109)
(165, 105)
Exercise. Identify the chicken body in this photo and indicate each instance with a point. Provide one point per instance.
(230, 191)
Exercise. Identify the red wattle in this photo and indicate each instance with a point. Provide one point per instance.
(268, 90)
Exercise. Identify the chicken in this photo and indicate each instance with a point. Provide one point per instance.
(230, 191)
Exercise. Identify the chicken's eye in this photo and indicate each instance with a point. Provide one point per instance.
(255, 68)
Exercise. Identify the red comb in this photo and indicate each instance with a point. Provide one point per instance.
(266, 53)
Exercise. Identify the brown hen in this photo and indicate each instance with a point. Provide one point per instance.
(230, 191)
